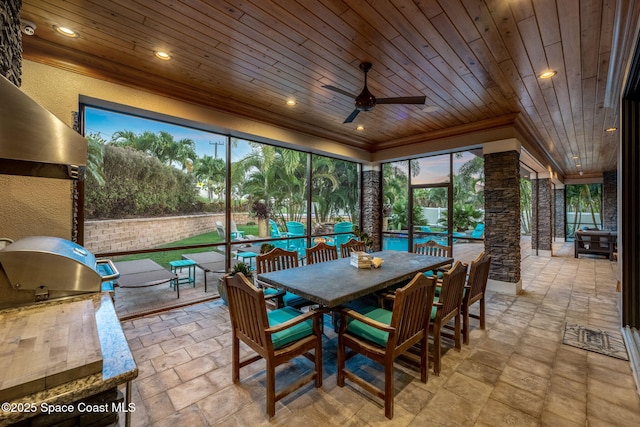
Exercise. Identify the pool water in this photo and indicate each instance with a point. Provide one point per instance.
(401, 243)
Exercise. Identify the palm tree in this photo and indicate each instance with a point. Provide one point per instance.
(161, 145)
(212, 172)
(95, 158)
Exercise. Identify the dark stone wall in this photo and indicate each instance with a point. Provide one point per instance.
(502, 214)
(542, 215)
(559, 214)
(372, 206)
(610, 200)
(11, 41)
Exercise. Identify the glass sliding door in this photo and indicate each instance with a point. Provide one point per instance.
(429, 215)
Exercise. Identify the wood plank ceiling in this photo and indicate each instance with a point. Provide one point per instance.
(477, 62)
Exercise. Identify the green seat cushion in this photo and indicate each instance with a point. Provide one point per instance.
(434, 309)
(439, 274)
(369, 333)
(292, 334)
(288, 298)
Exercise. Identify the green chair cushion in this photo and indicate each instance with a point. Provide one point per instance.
(288, 298)
(434, 309)
(369, 333)
(292, 334)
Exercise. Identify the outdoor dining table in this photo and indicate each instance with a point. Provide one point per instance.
(334, 283)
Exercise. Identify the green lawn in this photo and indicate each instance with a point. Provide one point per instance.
(163, 258)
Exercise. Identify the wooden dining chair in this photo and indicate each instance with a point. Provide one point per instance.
(433, 248)
(350, 246)
(384, 335)
(321, 253)
(276, 336)
(475, 292)
(448, 307)
(275, 260)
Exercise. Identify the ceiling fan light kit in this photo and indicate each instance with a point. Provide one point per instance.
(366, 101)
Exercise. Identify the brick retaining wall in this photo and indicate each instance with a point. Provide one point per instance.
(145, 233)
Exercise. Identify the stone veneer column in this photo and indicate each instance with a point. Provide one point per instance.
(541, 216)
(11, 41)
(372, 204)
(559, 213)
(610, 200)
(502, 214)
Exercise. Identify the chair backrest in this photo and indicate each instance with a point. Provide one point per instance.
(412, 308)
(432, 248)
(478, 275)
(295, 228)
(220, 229)
(275, 231)
(452, 288)
(350, 246)
(321, 253)
(478, 232)
(248, 312)
(342, 227)
(276, 259)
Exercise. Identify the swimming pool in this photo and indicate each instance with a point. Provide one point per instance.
(401, 242)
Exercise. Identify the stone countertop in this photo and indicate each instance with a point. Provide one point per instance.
(118, 368)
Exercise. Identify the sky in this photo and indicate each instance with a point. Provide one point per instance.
(106, 123)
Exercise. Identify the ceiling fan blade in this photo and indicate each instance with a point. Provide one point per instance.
(352, 116)
(340, 91)
(402, 100)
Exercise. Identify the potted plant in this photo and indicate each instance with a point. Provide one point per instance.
(266, 247)
(240, 267)
(363, 237)
(262, 212)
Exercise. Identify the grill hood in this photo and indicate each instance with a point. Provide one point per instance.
(34, 142)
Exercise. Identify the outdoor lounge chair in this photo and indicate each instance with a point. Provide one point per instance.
(296, 229)
(342, 227)
(277, 234)
(383, 336)
(276, 336)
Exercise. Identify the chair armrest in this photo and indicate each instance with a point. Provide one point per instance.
(292, 322)
(279, 294)
(367, 321)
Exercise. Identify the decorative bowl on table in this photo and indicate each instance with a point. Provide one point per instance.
(376, 262)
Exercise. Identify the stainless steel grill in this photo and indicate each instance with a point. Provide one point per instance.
(44, 263)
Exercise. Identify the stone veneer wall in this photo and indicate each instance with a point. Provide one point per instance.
(121, 235)
(610, 200)
(372, 206)
(559, 214)
(11, 41)
(502, 214)
(542, 215)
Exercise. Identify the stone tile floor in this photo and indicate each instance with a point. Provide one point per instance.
(515, 372)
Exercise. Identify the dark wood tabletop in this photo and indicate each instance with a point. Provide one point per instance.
(336, 282)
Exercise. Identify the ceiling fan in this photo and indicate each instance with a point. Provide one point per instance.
(366, 101)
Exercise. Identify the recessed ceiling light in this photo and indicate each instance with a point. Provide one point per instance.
(291, 102)
(611, 129)
(430, 108)
(578, 165)
(575, 157)
(68, 32)
(547, 74)
(360, 127)
(162, 55)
